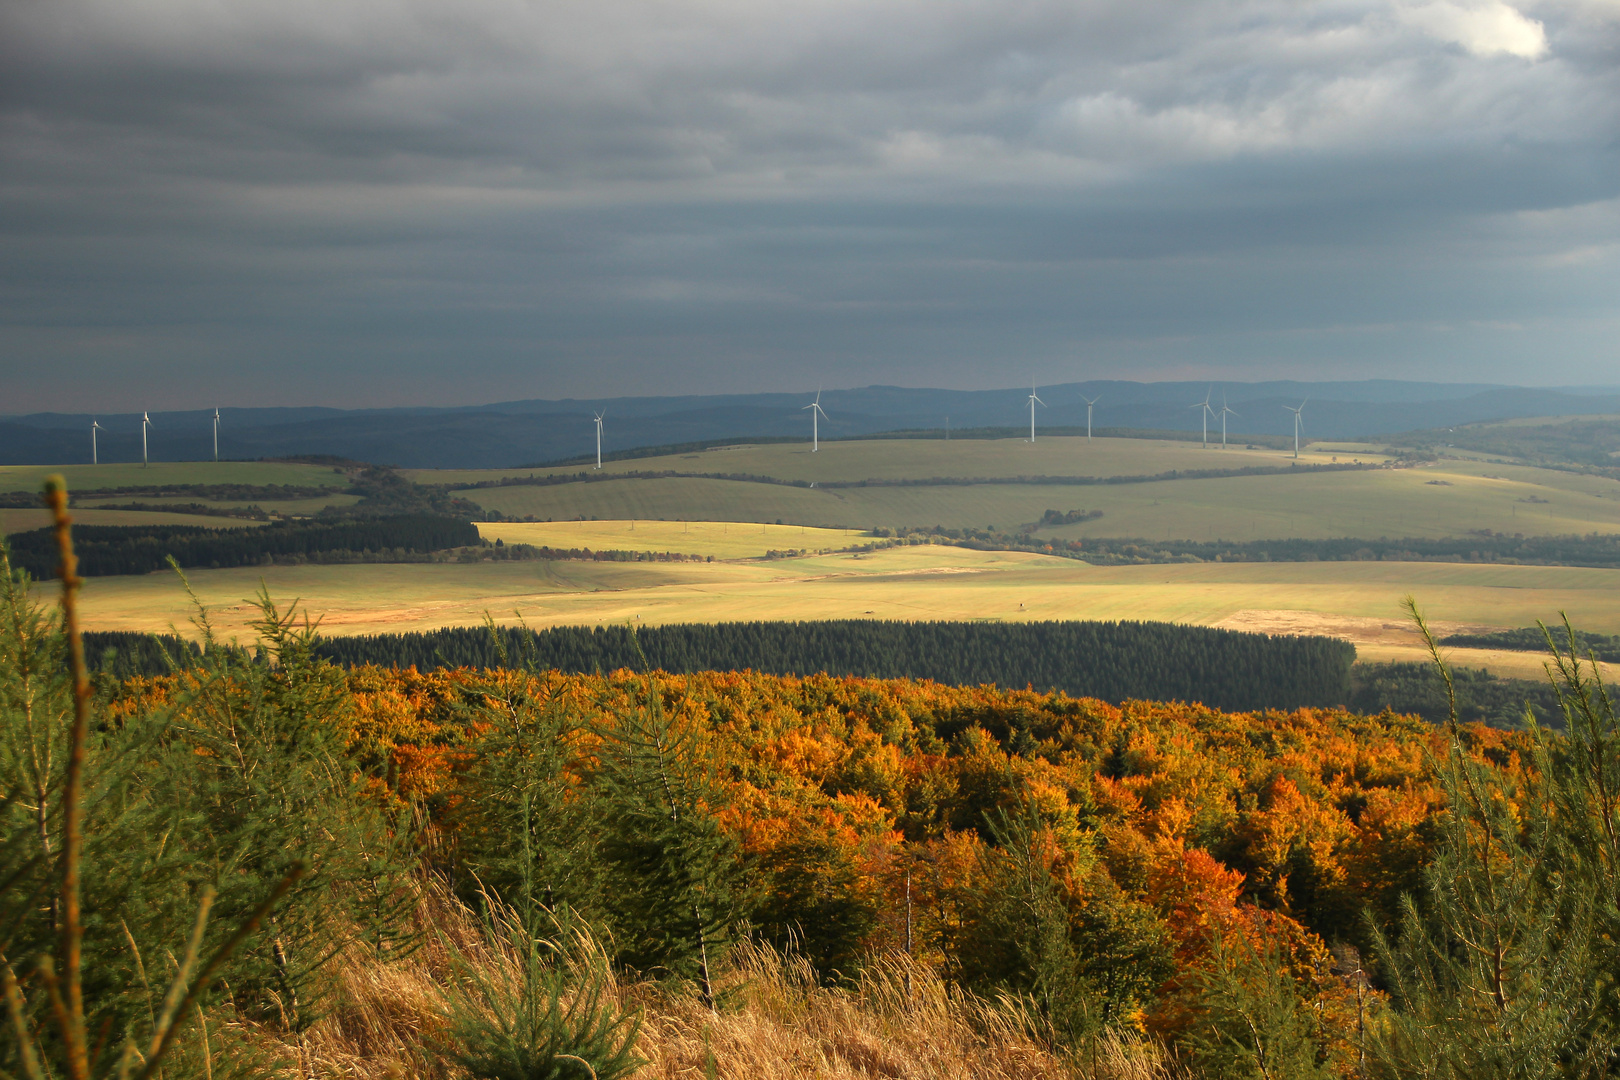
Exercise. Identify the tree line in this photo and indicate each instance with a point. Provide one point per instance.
(1479, 697)
(211, 492)
(1605, 647)
(139, 549)
(1593, 549)
(1111, 661)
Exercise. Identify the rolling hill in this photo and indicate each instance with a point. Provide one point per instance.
(517, 433)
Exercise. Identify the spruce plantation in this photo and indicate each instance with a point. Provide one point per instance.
(260, 862)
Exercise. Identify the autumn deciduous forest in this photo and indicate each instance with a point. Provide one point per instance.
(277, 863)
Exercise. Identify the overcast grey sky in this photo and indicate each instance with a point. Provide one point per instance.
(379, 202)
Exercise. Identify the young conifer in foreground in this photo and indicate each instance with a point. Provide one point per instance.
(75, 1008)
(674, 885)
(1505, 966)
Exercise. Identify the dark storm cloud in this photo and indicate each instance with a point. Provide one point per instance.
(387, 202)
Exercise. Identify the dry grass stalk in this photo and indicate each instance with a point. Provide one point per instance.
(69, 1004)
(777, 1023)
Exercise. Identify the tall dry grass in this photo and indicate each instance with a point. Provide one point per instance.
(899, 1021)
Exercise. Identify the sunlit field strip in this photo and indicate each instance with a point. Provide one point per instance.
(720, 539)
(907, 583)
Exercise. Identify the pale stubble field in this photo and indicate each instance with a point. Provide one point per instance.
(1359, 601)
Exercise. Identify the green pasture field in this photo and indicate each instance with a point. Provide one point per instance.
(670, 499)
(1451, 499)
(888, 459)
(1379, 502)
(88, 477)
(1540, 421)
(720, 539)
(14, 521)
(1358, 601)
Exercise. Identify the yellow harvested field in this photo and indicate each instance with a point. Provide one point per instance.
(12, 521)
(720, 539)
(1360, 601)
(87, 477)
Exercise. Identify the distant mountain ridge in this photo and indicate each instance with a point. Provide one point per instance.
(507, 434)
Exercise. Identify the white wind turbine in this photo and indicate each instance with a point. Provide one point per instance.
(216, 434)
(95, 426)
(146, 422)
(1089, 403)
(1225, 412)
(1297, 421)
(1207, 413)
(598, 438)
(816, 413)
(1033, 401)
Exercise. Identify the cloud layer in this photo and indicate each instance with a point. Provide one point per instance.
(387, 201)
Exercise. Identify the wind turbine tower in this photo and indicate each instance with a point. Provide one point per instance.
(1297, 419)
(816, 413)
(1089, 403)
(216, 434)
(95, 426)
(1033, 401)
(1225, 412)
(1207, 413)
(146, 422)
(598, 439)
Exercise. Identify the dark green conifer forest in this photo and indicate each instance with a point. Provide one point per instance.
(141, 549)
(1112, 661)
